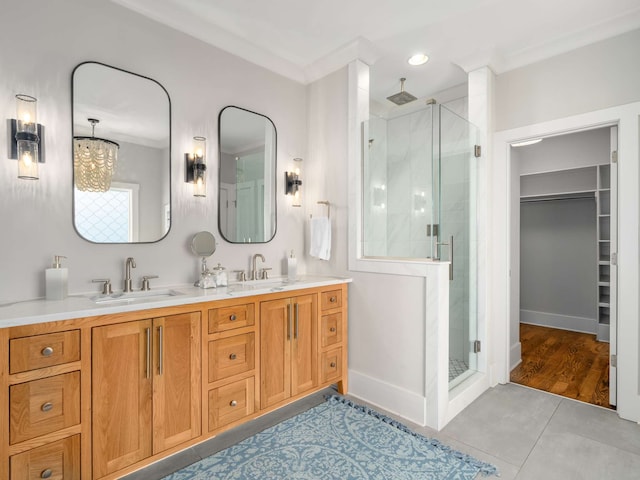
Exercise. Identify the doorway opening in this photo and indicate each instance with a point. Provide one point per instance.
(563, 274)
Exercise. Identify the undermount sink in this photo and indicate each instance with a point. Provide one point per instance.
(130, 297)
(255, 284)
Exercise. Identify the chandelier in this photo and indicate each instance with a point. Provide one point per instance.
(94, 160)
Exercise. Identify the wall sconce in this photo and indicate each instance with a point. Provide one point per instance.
(379, 196)
(26, 138)
(293, 182)
(196, 167)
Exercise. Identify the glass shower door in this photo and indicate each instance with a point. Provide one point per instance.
(456, 193)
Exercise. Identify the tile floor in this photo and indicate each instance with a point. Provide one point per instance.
(526, 433)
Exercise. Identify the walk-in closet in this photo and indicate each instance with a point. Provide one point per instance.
(565, 230)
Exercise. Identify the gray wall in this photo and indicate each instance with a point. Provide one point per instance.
(597, 76)
(558, 257)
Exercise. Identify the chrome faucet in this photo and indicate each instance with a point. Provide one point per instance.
(129, 264)
(254, 271)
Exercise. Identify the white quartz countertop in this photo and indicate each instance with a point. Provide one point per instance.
(76, 306)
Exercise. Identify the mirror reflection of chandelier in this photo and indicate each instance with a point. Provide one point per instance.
(94, 160)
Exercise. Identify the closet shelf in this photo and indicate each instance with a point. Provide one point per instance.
(604, 241)
(604, 284)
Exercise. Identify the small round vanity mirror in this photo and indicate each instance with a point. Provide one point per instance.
(203, 244)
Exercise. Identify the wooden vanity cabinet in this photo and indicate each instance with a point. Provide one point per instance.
(146, 389)
(100, 397)
(288, 349)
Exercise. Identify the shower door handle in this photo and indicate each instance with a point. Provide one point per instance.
(450, 249)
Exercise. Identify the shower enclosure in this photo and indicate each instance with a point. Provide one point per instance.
(419, 204)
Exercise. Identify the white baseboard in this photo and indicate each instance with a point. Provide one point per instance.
(563, 322)
(390, 397)
(515, 355)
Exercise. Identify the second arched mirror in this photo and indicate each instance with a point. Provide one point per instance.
(247, 188)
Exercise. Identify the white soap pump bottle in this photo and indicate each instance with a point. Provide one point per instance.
(291, 268)
(56, 280)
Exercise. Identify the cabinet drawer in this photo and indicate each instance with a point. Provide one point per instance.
(231, 356)
(228, 318)
(39, 351)
(44, 406)
(331, 329)
(231, 402)
(331, 365)
(331, 299)
(55, 461)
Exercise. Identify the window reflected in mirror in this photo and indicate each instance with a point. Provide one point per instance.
(121, 155)
(247, 179)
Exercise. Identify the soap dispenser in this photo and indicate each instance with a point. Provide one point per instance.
(291, 268)
(56, 280)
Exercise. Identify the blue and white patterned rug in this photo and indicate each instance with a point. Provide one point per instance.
(337, 440)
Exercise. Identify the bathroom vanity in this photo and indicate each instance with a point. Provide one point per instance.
(99, 387)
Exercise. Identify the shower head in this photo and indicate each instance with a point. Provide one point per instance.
(402, 97)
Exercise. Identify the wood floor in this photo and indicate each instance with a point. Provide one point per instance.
(570, 364)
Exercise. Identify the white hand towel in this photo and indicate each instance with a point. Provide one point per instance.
(320, 234)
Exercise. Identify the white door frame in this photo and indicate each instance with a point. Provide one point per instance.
(627, 117)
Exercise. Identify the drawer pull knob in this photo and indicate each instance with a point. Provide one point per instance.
(233, 317)
(333, 299)
(232, 356)
(332, 329)
(233, 403)
(46, 473)
(46, 407)
(47, 351)
(332, 364)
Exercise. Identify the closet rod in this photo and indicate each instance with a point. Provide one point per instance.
(556, 199)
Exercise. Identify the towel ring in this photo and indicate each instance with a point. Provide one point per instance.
(328, 204)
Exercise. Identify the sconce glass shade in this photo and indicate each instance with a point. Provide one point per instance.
(26, 114)
(27, 160)
(27, 136)
(94, 161)
(199, 167)
(293, 181)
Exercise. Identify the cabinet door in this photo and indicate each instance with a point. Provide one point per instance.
(304, 355)
(121, 397)
(275, 351)
(177, 395)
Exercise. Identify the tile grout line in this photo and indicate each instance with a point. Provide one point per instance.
(555, 410)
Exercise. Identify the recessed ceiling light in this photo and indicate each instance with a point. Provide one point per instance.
(418, 59)
(526, 142)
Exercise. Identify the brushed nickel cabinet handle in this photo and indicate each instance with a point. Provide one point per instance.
(46, 473)
(295, 332)
(46, 407)
(233, 403)
(232, 356)
(47, 351)
(233, 317)
(160, 350)
(147, 332)
(333, 299)
(332, 364)
(332, 329)
(289, 322)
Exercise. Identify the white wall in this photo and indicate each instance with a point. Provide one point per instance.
(597, 76)
(200, 79)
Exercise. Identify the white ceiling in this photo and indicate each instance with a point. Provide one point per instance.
(307, 39)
